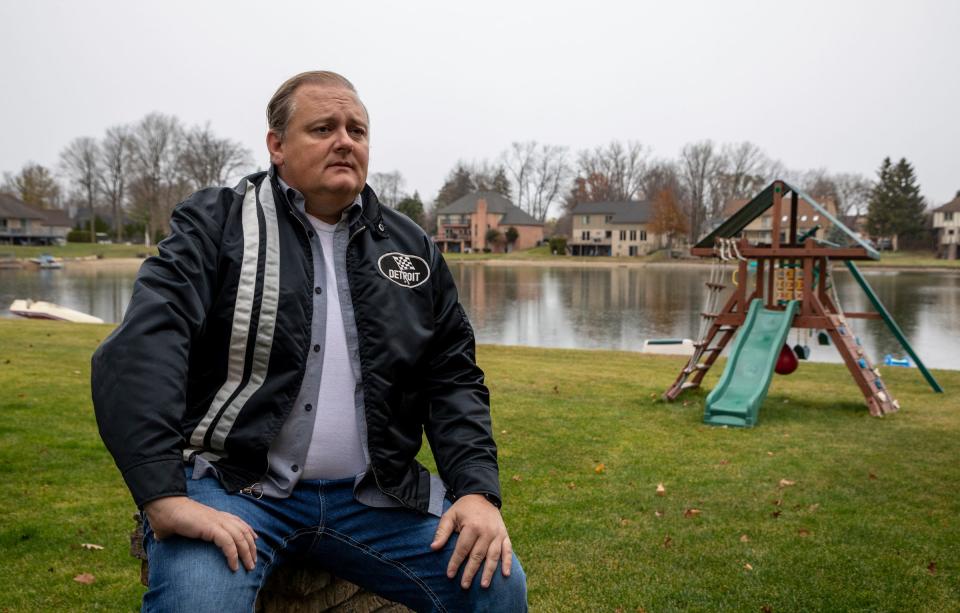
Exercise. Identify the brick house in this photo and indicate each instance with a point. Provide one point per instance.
(462, 226)
(23, 224)
(946, 221)
(613, 229)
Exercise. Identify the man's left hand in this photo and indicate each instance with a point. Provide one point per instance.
(483, 537)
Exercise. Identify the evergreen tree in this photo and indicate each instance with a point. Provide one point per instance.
(412, 207)
(459, 183)
(501, 184)
(896, 207)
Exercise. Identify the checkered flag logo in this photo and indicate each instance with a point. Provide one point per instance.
(404, 263)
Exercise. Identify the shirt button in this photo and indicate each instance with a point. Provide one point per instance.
(316, 347)
(317, 290)
(308, 407)
(294, 468)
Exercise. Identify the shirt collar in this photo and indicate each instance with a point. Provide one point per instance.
(299, 202)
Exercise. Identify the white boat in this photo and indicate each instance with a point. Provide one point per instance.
(668, 346)
(47, 261)
(36, 309)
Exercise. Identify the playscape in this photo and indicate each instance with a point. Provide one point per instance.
(782, 281)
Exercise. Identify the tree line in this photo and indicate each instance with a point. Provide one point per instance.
(688, 193)
(137, 172)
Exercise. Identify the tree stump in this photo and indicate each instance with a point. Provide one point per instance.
(294, 587)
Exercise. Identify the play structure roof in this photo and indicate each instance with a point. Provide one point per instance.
(735, 224)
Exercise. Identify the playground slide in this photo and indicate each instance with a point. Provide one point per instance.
(743, 385)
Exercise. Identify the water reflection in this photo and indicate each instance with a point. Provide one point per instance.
(586, 307)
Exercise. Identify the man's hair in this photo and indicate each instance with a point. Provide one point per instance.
(280, 107)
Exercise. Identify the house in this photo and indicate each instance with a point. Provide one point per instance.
(463, 226)
(758, 231)
(23, 224)
(613, 228)
(946, 221)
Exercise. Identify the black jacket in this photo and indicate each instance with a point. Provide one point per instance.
(211, 352)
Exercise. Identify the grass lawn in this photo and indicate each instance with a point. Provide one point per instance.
(867, 519)
(79, 250)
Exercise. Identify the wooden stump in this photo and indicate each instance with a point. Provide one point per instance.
(295, 588)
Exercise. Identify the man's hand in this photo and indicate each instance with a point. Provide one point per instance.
(180, 515)
(483, 536)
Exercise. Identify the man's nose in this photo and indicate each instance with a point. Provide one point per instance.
(344, 141)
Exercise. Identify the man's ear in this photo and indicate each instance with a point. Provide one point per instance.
(275, 147)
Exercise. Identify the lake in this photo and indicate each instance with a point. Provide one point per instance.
(586, 307)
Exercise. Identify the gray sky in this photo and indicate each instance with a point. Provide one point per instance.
(838, 84)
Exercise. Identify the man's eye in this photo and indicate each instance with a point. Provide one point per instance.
(321, 129)
(359, 131)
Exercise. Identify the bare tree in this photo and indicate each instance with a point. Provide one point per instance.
(115, 158)
(156, 187)
(389, 187)
(80, 160)
(539, 173)
(207, 160)
(699, 166)
(617, 169)
(853, 191)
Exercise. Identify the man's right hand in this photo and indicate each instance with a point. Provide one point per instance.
(180, 515)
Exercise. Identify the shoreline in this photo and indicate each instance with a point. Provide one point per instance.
(133, 263)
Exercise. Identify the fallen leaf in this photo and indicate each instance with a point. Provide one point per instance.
(624, 522)
(91, 546)
(748, 566)
(932, 568)
(666, 542)
(770, 453)
(691, 512)
(556, 389)
(873, 477)
(658, 513)
(766, 609)
(686, 403)
(787, 482)
(777, 502)
(76, 372)
(517, 478)
(744, 538)
(724, 462)
(599, 468)
(571, 485)
(84, 578)
(661, 491)
(803, 532)
(775, 514)
(503, 432)
(814, 507)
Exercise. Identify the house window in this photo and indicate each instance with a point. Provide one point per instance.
(585, 235)
(609, 234)
(586, 220)
(633, 235)
(948, 216)
(623, 235)
(643, 235)
(608, 218)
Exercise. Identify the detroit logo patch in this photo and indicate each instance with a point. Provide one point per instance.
(405, 270)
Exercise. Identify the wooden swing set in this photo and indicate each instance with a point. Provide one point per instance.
(793, 277)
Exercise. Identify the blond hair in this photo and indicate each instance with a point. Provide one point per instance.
(280, 107)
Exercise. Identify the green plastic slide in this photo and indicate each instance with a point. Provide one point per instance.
(736, 399)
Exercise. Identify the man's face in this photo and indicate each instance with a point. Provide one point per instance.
(325, 148)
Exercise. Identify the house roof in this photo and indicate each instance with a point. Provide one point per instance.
(628, 211)
(57, 217)
(951, 207)
(496, 203)
(14, 208)
(763, 201)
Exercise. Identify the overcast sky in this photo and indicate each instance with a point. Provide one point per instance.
(835, 84)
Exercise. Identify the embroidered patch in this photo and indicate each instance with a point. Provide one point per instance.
(404, 270)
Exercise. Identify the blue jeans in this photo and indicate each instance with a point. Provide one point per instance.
(386, 551)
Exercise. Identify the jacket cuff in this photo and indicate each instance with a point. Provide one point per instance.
(477, 479)
(156, 479)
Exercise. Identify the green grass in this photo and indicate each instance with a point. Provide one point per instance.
(874, 503)
(911, 259)
(79, 250)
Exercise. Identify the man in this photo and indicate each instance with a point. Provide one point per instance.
(280, 360)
